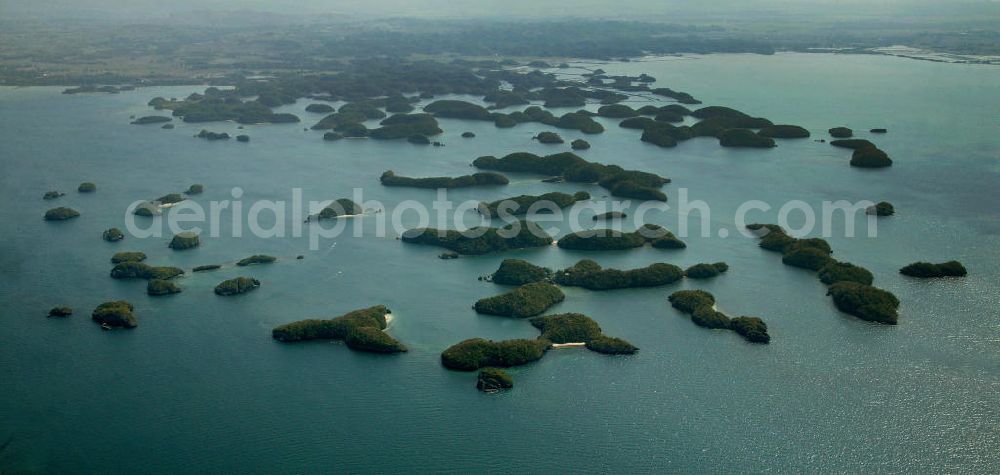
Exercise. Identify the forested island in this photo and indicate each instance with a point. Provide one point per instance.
(520, 205)
(927, 269)
(700, 305)
(389, 178)
(590, 275)
(525, 301)
(361, 330)
(850, 285)
(569, 166)
(475, 241)
(611, 240)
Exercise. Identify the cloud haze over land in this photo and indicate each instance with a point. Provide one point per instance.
(657, 10)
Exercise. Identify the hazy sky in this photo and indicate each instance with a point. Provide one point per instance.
(543, 9)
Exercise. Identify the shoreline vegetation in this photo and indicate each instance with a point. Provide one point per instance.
(850, 285)
(700, 305)
(478, 240)
(360, 330)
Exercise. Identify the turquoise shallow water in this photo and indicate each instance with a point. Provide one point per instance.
(201, 387)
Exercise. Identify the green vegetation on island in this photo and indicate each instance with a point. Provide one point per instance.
(882, 208)
(841, 132)
(195, 189)
(212, 136)
(113, 235)
(256, 259)
(468, 135)
(836, 271)
(616, 111)
(61, 214)
(589, 275)
(612, 240)
(525, 301)
(86, 187)
(493, 379)
(361, 330)
(706, 271)
(115, 314)
(682, 97)
(51, 195)
(548, 138)
(579, 144)
(151, 119)
(865, 302)
(60, 312)
(338, 208)
(520, 272)
(390, 178)
(850, 285)
(927, 269)
(476, 353)
(243, 138)
(184, 240)
(870, 157)
(700, 305)
(578, 328)
(781, 131)
(140, 270)
(216, 106)
(620, 182)
(238, 285)
(478, 240)
(853, 144)
(520, 205)
(128, 256)
(319, 108)
(206, 267)
(162, 287)
(406, 125)
(745, 138)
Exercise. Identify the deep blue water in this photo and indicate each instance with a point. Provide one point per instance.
(200, 386)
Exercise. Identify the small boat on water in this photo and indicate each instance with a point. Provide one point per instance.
(105, 326)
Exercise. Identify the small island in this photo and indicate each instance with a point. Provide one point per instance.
(340, 208)
(525, 301)
(115, 314)
(113, 235)
(493, 379)
(468, 135)
(60, 312)
(574, 328)
(140, 270)
(928, 270)
(184, 240)
(865, 302)
(243, 138)
(390, 178)
(476, 353)
(162, 287)
(86, 187)
(841, 133)
(520, 272)
(206, 267)
(706, 271)
(520, 205)
(128, 256)
(212, 136)
(319, 108)
(572, 168)
(256, 259)
(548, 138)
(781, 131)
(852, 144)
(239, 285)
(870, 157)
(477, 241)
(51, 195)
(61, 214)
(745, 138)
(836, 271)
(361, 330)
(611, 240)
(195, 189)
(579, 144)
(589, 275)
(882, 208)
(700, 305)
(151, 119)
